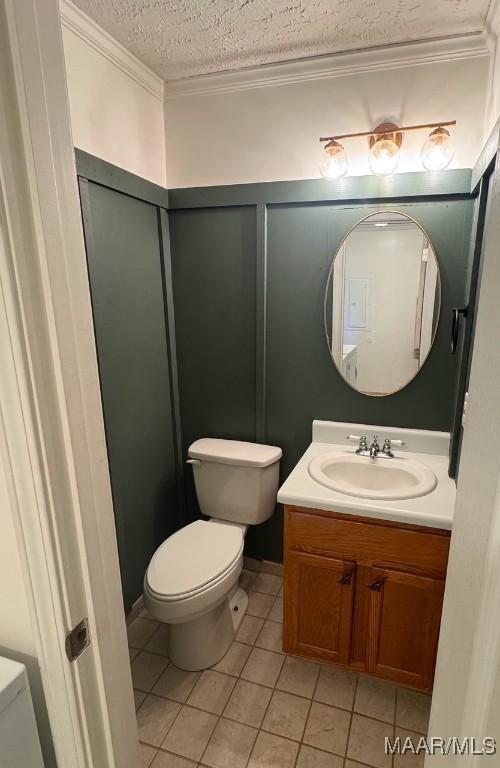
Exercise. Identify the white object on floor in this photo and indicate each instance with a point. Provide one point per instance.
(19, 743)
(192, 580)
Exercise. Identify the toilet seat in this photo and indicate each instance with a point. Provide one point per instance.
(193, 560)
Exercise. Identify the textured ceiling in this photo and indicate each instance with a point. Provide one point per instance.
(181, 38)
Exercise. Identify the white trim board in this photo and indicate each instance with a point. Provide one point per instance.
(469, 46)
(91, 33)
(52, 433)
(492, 23)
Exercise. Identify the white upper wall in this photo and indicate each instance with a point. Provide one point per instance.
(116, 103)
(493, 102)
(264, 125)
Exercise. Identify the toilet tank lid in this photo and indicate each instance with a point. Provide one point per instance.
(234, 452)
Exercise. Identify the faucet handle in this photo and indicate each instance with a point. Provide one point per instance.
(375, 441)
(387, 449)
(363, 445)
(390, 442)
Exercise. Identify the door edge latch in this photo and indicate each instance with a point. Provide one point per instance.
(77, 640)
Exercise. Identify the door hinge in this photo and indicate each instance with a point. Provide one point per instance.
(77, 640)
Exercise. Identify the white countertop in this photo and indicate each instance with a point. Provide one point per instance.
(434, 510)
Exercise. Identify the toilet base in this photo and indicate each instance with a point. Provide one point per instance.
(201, 643)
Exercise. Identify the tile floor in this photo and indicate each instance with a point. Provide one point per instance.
(259, 708)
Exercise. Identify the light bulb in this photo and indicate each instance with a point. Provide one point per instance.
(335, 164)
(383, 156)
(437, 152)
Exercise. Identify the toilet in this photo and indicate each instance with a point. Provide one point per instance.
(192, 579)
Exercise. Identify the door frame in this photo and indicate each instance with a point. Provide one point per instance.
(52, 442)
(466, 698)
(52, 436)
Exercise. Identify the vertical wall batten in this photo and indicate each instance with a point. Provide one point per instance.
(261, 323)
(88, 234)
(166, 255)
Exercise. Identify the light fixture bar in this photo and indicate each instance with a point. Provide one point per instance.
(382, 133)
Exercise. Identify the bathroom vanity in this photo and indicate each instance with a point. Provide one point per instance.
(365, 574)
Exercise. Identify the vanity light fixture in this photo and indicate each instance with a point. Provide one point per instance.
(383, 156)
(335, 164)
(384, 149)
(437, 152)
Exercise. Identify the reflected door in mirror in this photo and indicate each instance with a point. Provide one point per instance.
(382, 303)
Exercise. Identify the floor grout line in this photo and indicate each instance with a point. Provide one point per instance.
(145, 650)
(394, 728)
(273, 689)
(316, 682)
(260, 729)
(351, 719)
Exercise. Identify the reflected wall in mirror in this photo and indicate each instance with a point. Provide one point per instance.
(382, 303)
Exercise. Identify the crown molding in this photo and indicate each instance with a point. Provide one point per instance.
(73, 19)
(492, 23)
(469, 46)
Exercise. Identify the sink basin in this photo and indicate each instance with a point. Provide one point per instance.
(368, 478)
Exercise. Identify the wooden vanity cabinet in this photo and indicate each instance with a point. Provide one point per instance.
(323, 591)
(364, 593)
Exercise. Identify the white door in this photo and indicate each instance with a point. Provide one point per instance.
(466, 696)
(51, 428)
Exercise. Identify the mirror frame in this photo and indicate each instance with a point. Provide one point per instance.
(438, 317)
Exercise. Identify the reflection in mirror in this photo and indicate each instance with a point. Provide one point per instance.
(382, 303)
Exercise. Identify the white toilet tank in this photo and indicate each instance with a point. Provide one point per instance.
(234, 480)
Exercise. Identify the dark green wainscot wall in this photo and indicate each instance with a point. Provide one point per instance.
(128, 264)
(242, 272)
(253, 360)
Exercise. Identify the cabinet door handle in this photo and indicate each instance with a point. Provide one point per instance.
(347, 577)
(377, 585)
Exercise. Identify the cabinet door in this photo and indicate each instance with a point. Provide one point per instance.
(318, 606)
(404, 619)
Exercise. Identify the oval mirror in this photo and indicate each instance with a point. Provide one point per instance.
(382, 303)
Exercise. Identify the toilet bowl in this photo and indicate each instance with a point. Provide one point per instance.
(192, 580)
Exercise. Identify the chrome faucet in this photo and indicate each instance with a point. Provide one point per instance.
(374, 450)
